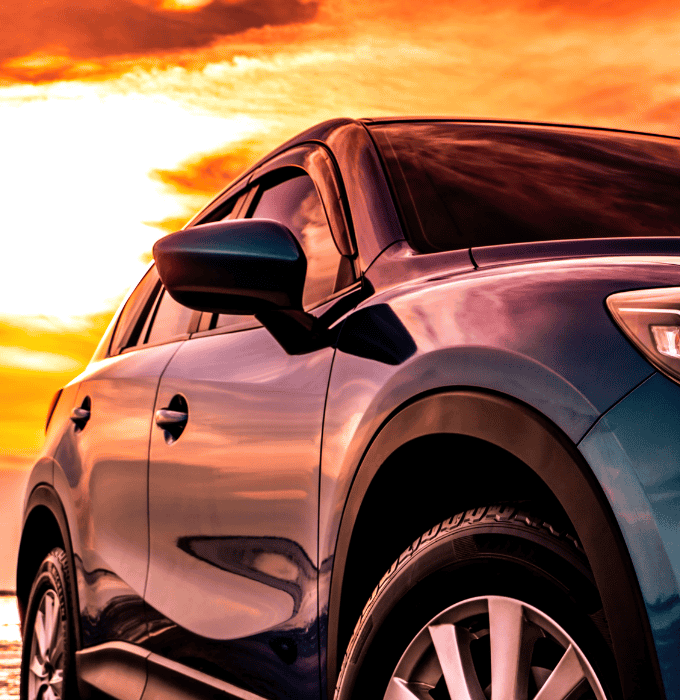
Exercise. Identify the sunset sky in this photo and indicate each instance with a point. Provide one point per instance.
(120, 118)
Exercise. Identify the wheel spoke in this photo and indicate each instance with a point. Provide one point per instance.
(57, 650)
(39, 634)
(452, 645)
(35, 686)
(37, 669)
(565, 677)
(509, 650)
(399, 689)
(52, 613)
(57, 681)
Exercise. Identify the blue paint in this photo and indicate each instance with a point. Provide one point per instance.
(634, 450)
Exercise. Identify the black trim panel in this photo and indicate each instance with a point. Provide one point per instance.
(530, 437)
(169, 680)
(115, 668)
(125, 671)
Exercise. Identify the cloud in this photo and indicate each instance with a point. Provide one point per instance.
(21, 358)
(38, 355)
(208, 174)
(40, 40)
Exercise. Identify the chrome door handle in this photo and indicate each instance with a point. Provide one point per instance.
(81, 414)
(173, 419)
(167, 419)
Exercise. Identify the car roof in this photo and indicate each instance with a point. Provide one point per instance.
(552, 126)
(321, 133)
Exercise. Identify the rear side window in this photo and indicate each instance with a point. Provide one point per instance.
(135, 312)
(462, 185)
(170, 320)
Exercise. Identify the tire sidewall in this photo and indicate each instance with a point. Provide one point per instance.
(468, 562)
(53, 575)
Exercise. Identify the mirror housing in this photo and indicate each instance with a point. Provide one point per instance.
(240, 266)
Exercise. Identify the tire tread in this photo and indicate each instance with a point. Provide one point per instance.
(509, 514)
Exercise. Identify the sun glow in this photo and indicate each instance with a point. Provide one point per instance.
(79, 187)
(184, 5)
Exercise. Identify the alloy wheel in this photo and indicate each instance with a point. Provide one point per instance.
(46, 666)
(493, 648)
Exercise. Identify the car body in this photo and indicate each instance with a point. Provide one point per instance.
(433, 366)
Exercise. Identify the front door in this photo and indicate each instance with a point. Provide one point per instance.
(233, 492)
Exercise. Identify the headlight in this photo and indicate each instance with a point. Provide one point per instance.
(650, 318)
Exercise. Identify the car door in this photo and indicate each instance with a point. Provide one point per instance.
(233, 494)
(107, 473)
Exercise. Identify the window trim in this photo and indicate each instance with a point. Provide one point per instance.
(192, 325)
(272, 178)
(346, 291)
(316, 161)
(134, 327)
(213, 212)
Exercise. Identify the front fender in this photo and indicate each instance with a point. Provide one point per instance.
(547, 451)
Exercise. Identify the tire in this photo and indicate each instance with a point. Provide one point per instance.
(47, 660)
(489, 592)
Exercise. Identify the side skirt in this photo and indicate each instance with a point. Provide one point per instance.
(124, 671)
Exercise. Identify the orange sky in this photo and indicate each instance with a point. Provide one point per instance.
(121, 117)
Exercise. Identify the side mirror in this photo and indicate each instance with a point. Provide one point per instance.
(242, 266)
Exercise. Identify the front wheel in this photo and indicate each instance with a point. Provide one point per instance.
(47, 667)
(492, 604)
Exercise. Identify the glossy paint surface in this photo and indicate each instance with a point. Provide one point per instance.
(233, 513)
(214, 547)
(537, 332)
(374, 217)
(103, 473)
(634, 450)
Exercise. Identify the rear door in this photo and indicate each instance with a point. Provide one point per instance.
(108, 474)
(234, 496)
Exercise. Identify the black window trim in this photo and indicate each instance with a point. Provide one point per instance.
(270, 177)
(142, 344)
(334, 203)
(266, 175)
(137, 323)
(253, 324)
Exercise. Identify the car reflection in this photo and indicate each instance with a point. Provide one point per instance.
(274, 561)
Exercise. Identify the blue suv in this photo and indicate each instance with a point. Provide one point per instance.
(395, 416)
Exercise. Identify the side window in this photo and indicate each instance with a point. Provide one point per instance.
(227, 210)
(296, 204)
(230, 210)
(170, 320)
(135, 313)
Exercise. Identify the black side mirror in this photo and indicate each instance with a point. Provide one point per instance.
(242, 266)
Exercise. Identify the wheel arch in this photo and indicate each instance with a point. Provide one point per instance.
(45, 526)
(542, 464)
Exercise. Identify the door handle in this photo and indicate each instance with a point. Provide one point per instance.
(173, 419)
(81, 414)
(165, 418)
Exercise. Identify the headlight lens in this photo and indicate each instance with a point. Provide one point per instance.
(650, 318)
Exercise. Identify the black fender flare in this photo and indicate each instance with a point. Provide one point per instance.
(44, 495)
(544, 448)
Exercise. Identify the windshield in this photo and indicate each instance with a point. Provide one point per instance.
(461, 185)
